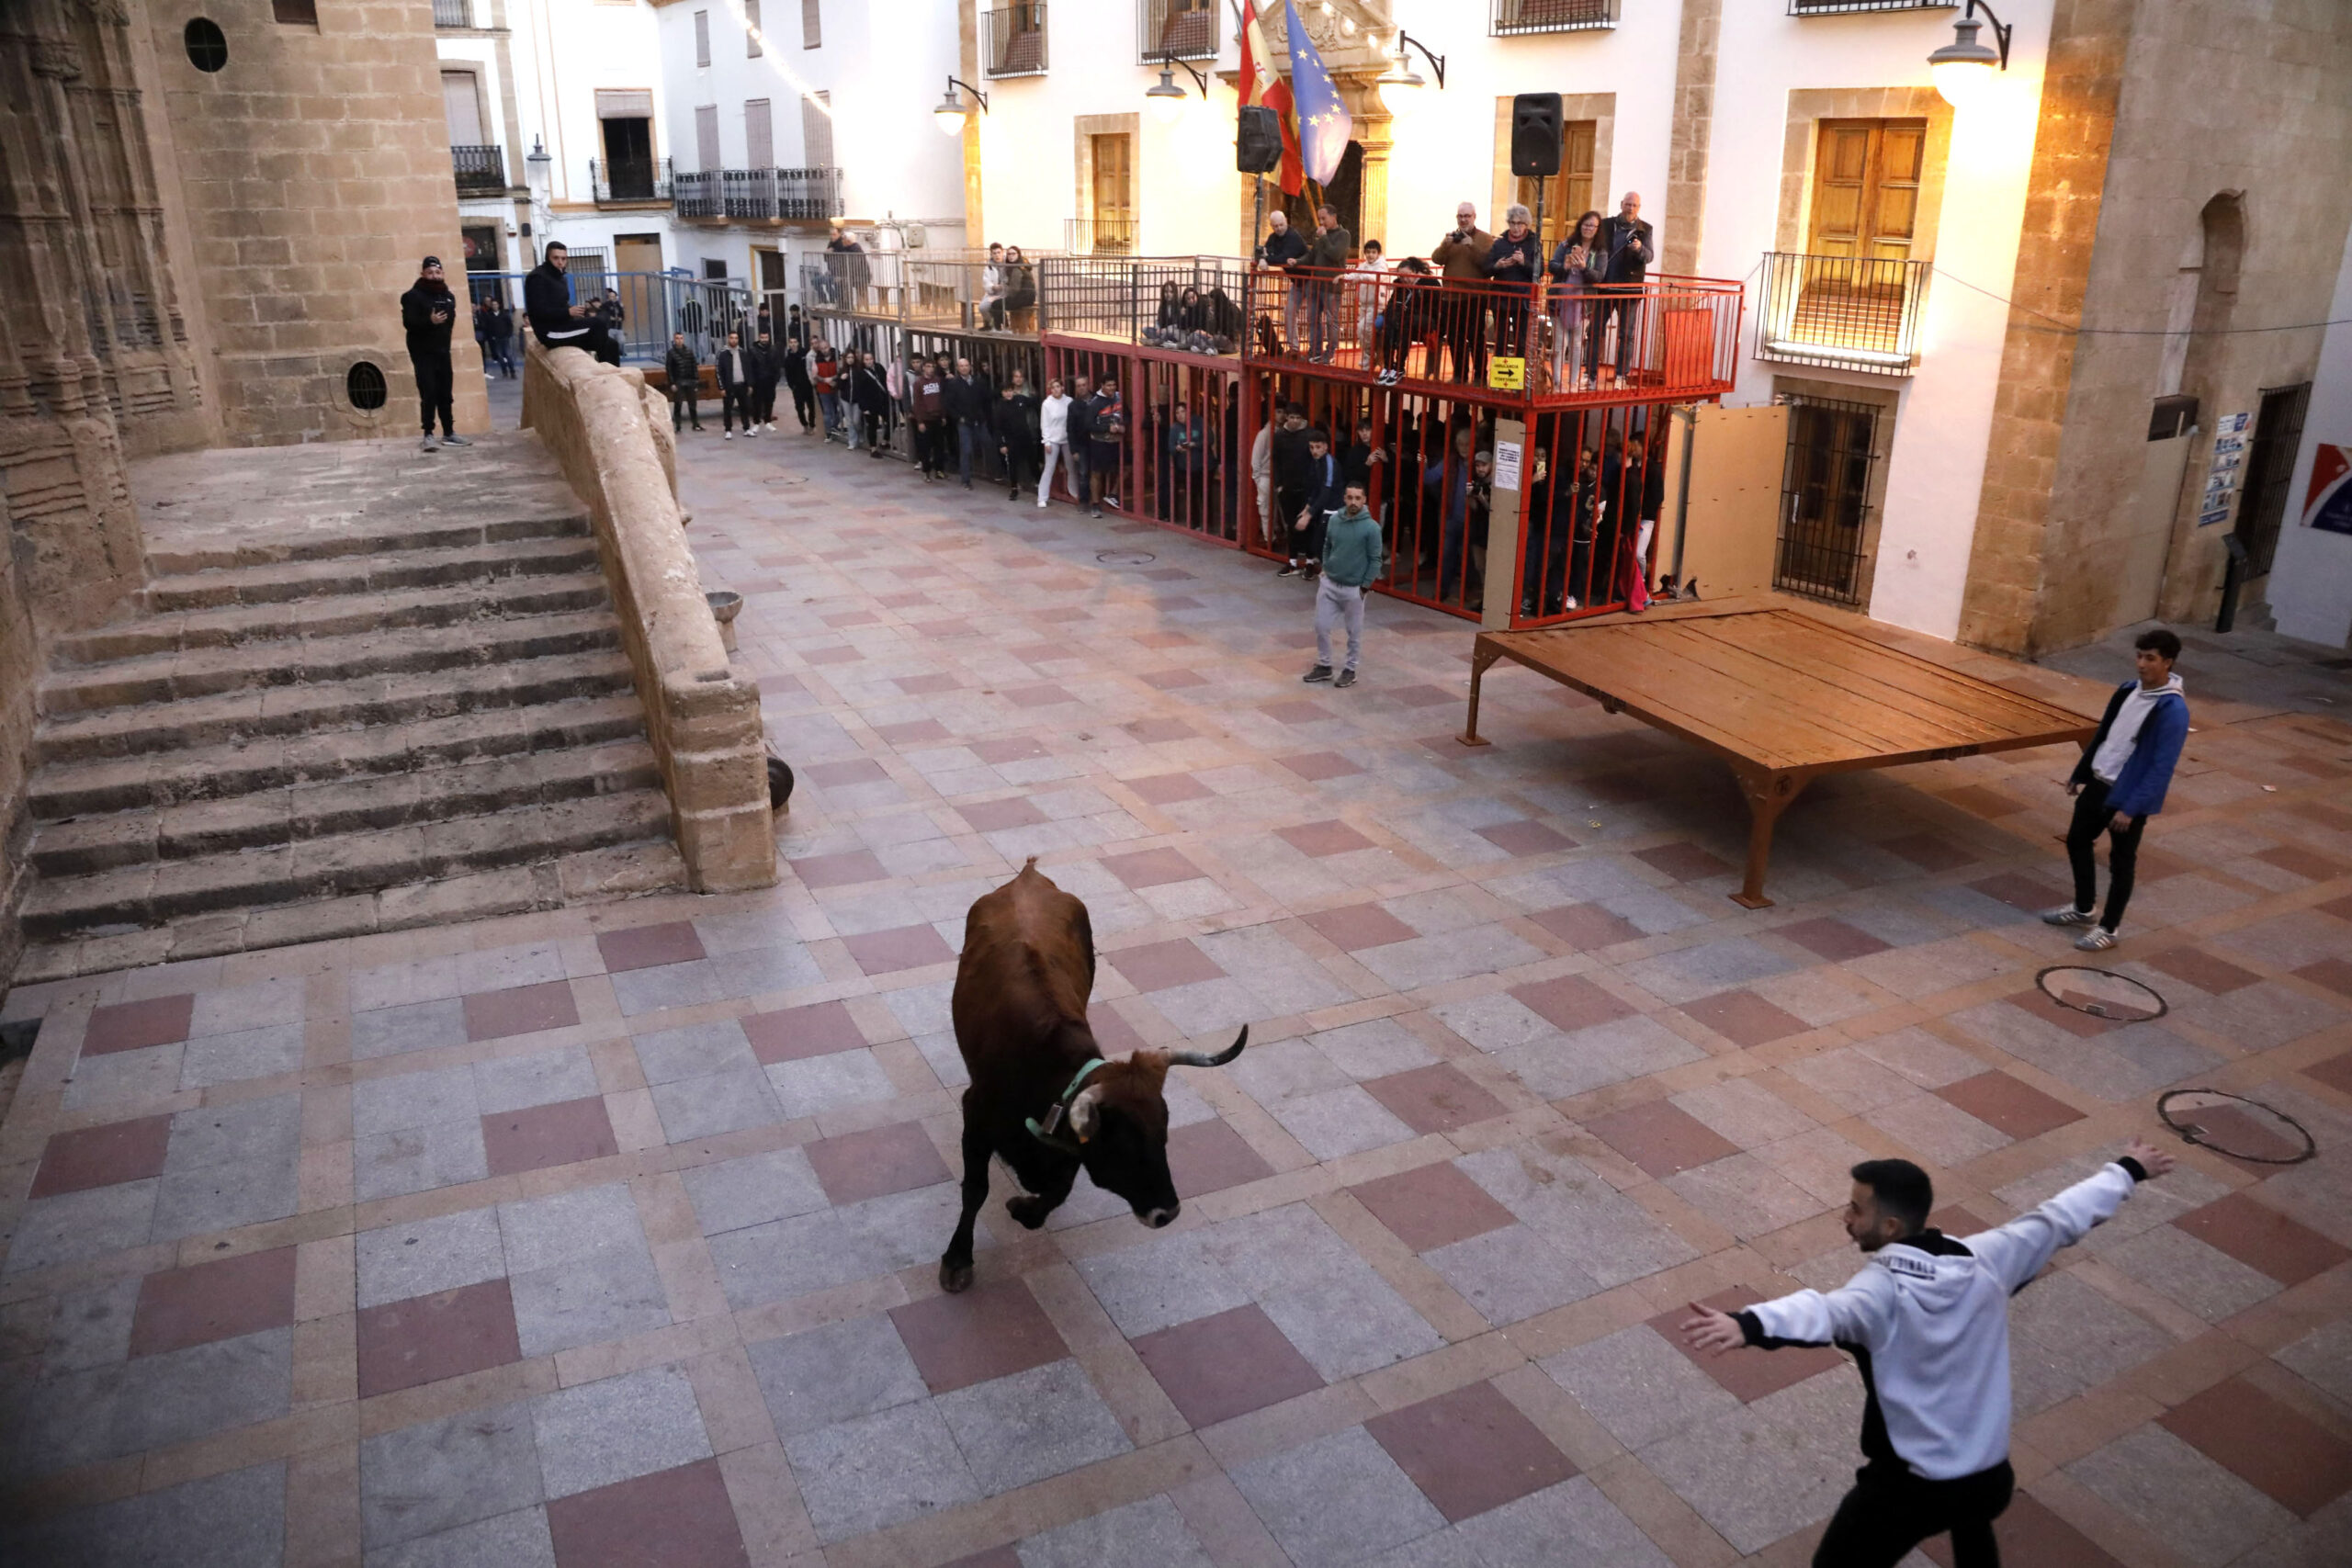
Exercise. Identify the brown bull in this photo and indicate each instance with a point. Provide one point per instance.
(1042, 1099)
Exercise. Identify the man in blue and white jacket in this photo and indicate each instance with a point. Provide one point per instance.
(2120, 782)
(1927, 1323)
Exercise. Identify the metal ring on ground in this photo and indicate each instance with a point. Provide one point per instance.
(1125, 558)
(2234, 1125)
(2102, 993)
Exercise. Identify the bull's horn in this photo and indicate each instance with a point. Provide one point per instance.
(1203, 1059)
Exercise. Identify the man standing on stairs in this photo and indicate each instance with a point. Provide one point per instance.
(427, 310)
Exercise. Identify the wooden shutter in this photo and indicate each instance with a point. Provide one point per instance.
(812, 25)
(702, 37)
(759, 135)
(463, 106)
(751, 29)
(707, 137)
(817, 130)
(1894, 214)
(1569, 194)
(1866, 187)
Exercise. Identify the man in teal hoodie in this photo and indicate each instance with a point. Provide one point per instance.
(1354, 558)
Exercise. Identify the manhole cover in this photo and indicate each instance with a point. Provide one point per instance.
(2234, 1125)
(1125, 558)
(2101, 993)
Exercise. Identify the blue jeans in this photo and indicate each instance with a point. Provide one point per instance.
(1322, 319)
(828, 406)
(971, 445)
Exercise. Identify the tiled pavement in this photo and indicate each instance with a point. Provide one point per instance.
(608, 1235)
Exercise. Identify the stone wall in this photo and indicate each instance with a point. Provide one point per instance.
(315, 167)
(2124, 163)
(610, 434)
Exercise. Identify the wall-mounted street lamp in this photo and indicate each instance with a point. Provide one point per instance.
(953, 111)
(1168, 99)
(1964, 68)
(1401, 88)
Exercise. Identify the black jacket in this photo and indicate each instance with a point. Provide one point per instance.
(966, 399)
(547, 300)
(425, 335)
(1010, 417)
(1291, 460)
(764, 369)
(869, 391)
(1629, 248)
(1530, 251)
(683, 368)
(1284, 249)
(734, 367)
(796, 366)
(1080, 422)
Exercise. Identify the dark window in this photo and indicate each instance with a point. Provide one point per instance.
(2270, 466)
(1824, 498)
(716, 271)
(628, 154)
(304, 11)
(364, 385)
(207, 50)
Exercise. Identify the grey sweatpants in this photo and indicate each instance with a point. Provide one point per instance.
(1333, 603)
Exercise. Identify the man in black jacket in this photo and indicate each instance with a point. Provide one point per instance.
(560, 323)
(765, 372)
(734, 386)
(1286, 249)
(427, 311)
(1080, 429)
(1292, 480)
(1626, 240)
(795, 371)
(968, 411)
(683, 372)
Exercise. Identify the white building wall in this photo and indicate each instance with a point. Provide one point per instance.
(2311, 579)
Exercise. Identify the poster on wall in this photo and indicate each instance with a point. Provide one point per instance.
(2328, 504)
(2229, 463)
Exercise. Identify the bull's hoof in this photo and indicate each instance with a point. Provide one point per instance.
(955, 1278)
(1029, 1211)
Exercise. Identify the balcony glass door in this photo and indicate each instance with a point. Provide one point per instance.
(628, 159)
(1114, 194)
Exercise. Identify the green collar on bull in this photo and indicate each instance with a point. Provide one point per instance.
(1050, 1132)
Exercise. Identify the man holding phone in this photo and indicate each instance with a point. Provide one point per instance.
(1626, 242)
(427, 311)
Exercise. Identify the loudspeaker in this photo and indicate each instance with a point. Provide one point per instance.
(1259, 148)
(1535, 134)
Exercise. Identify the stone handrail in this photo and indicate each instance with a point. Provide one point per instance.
(608, 432)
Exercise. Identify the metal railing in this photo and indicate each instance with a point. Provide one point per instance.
(773, 196)
(1194, 303)
(944, 290)
(651, 306)
(1187, 28)
(1016, 39)
(1857, 312)
(1832, 7)
(629, 179)
(1099, 236)
(1666, 338)
(480, 171)
(453, 13)
(1513, 17)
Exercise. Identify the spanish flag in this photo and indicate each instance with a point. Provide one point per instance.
(1260, 84)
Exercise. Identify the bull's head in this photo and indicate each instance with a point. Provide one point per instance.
(1119, 1123)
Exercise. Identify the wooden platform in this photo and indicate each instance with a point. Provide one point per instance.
(1784, 694)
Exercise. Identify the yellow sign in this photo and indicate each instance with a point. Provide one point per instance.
(1507, 375)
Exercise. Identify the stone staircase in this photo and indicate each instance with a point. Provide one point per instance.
(323, 731)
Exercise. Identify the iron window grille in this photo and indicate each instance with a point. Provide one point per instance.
(1514, 16)
(1840, 7)
(480, 171)
(777, 196)
(1016, 39)
(1185, 28)
(629, 179)
(1825, 498)
(1851, 312)
(453, 13)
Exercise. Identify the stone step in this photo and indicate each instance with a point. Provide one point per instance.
(278, 582)
(82, 845)
(342, 705)
(270, 762)
(364, 540)
(339, 615)
(215, 672)
(339, 865)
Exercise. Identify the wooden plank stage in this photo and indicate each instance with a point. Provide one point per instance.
(1784, 694)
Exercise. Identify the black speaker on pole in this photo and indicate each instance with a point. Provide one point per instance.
(1535, 135)
(1259, 148)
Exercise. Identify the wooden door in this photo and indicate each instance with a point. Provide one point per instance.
(1866, 188)
(1114, 209)
(1568, 194)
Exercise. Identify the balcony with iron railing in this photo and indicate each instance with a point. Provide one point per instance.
(1850, 312)
(623, 182)
(480, 171)
(940, 290)
(1837, 8)
(1185, 28)
(1016, 38)
(453, 13)
(1510, 18)
(1099, 236)
(759, 195)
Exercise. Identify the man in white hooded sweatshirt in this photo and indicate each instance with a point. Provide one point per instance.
(1927, 1323)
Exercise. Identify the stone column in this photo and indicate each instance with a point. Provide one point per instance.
(1684, 218)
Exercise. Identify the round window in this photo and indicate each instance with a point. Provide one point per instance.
(364, 385)
(208, 49)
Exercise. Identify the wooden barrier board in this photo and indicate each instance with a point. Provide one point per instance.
(1783, 696)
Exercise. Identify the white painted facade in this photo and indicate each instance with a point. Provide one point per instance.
(540, 63)
(2310, 582)
(880, 66)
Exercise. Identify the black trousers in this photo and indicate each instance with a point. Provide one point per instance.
(764, 403)
(435, 384)
(2093, 817)
(735, 402)
(684, 404)
(1890, 1511)
(804, 403)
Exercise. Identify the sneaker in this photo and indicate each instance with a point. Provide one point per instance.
(1094, 513)
(1290, 568)
(454, 441)
(731, 435)
(1390, 377)
(428, 445)
(1041, 506)
(1317, 675)
(1346, 678)
(2099, 938)
(2065, 915)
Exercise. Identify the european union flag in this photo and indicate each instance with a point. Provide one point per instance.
(1323, 121)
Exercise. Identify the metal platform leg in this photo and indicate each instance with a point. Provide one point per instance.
(1482, 658)
(1768, 795)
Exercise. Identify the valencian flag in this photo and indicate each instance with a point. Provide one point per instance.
(1260, 85)
(1323, 121)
